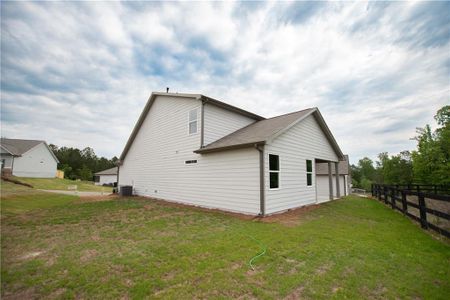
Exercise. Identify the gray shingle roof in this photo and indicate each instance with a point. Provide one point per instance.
(257, 132)
(112, 171)
(18, 147)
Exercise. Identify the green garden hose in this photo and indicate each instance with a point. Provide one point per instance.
(263, 248)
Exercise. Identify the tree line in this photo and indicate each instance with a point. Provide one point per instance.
(428, 164)
(81, 164)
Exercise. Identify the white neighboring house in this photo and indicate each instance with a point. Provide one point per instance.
(193, 149)
(108, 176)
(27, 158)
(323, 180)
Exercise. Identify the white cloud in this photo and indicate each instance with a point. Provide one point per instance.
(375, 70)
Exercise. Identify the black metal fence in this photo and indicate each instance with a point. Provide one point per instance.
(427, 204)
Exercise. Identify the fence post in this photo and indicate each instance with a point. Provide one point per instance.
(393, 190)
(423, 211)
(404, 204)
(385, 195)
(435, 189)
(379, 192)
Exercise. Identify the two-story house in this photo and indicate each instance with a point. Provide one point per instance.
(192, 149)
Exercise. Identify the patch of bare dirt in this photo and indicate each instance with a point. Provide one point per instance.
(336, 289)
(84, 199)
(323, 269)
(291, 217)
(88, 255)
(57, 294)
(128, 282)
(20, 295)
(295, 294)
(31, 255)
(168, 203)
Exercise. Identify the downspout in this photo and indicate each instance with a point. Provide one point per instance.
(262, 200)
(118, 169)
(12, 166)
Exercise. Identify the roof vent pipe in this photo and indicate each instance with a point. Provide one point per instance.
(167, 89)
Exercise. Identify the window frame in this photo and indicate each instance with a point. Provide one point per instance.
(275, 171)
(196, 121)
(309, 173)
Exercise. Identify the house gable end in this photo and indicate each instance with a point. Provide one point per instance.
(317, 116)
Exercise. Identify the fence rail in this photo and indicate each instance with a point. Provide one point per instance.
(432, 210)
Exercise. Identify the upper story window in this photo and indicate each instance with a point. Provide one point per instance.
(193, 121)
(274, 171)
(308, 172)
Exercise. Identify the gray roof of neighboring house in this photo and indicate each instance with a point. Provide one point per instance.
(343, 167)
(112, 171)
(17, 147)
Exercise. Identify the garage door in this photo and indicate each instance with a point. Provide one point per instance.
(323, 189)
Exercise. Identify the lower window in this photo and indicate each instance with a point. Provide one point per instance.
(309, 179)
(274, 180)
(274, 171)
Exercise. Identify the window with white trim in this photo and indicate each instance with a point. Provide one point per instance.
(274, 171)
(193, 121)
(308, 172)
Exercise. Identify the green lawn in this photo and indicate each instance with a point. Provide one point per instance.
(138, 248)
(62, 184)
(17, 199)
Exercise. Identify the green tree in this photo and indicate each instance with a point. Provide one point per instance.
(396, 169)
(85, 173)
(431, 160)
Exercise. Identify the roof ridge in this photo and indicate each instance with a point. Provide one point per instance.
(5, 138)
(294, 112)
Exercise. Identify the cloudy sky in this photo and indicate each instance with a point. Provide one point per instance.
(79, 73)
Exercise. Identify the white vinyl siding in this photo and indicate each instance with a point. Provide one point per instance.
(37, 162)
(220, 122)
(303, 141)
(155, 163)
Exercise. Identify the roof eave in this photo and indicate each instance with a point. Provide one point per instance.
(231, 108)
(143, 115)
(232, 147)
(329, 135)
(6, 149)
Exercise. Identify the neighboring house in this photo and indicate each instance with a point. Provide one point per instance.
(27, 158)
(193, 149)
(323, 180)
(108, 176)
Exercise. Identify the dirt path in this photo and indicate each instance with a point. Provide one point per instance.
(77, 193)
